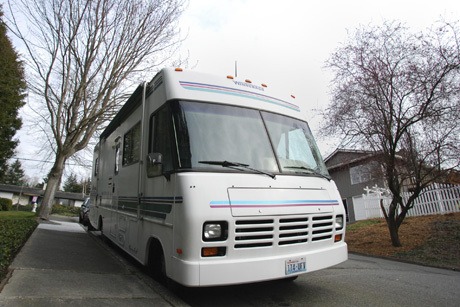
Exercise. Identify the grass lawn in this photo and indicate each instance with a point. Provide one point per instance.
(8, 215)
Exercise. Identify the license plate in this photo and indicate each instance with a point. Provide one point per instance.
(295, 266)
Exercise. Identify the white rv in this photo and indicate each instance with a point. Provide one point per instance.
(215, 181)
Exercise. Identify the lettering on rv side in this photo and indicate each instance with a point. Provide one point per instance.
(260, 88)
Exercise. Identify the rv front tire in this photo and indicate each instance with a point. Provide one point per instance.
(156, 264)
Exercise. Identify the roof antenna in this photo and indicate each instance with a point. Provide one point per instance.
(236, 69)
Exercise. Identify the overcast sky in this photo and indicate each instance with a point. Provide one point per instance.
(284, 43)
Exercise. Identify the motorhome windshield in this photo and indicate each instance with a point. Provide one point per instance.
(208, 133)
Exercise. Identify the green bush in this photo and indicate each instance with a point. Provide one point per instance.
(6, 204)
(27, 208)
(15, 229)
(65, 210)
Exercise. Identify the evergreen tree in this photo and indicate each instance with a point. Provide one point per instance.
(14, 174)
(12, 87)
(86, 185)
(72, 185)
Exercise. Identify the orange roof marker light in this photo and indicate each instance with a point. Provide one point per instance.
(248, 81)
(263, 85)
(230, 77)
(178, 69)
(293, 96)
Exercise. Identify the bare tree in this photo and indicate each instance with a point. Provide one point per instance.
(398, 93)
(80, 54)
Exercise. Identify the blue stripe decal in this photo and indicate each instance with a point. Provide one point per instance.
(272, 203)
(237, 92)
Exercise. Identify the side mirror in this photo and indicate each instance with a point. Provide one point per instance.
(154, 164)
(155, 158)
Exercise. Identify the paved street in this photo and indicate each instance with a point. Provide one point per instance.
(360, 281)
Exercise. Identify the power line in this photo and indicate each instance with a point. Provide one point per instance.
(45, 161)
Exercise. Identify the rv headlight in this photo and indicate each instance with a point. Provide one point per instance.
(338, 222)
(215, 231)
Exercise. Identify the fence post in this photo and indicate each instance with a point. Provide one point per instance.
(439, 198)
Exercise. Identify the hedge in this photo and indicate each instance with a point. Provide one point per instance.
(15, 229)
(65, 210)
(6, 204)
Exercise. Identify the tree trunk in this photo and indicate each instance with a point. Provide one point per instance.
(393, 222)
(393, 228)
(52, 186)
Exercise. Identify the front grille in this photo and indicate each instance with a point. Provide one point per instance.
(253, 233)
(322, 228)
(293, 231)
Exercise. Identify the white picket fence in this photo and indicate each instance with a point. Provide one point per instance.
(437, 199)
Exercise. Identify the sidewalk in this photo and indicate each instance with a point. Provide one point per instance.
(61, 264)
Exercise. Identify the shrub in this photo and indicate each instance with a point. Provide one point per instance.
(27, 208)
(65, 210)
(6, 204)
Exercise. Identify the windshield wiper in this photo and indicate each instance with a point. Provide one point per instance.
(307, 170)
(237, 166)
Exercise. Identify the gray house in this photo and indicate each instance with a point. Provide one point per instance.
(353, 171)
(25, 196)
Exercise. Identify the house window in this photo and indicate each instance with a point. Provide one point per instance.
(363, 173)
(132, 145)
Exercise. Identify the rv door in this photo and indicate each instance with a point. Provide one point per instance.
(113, 188)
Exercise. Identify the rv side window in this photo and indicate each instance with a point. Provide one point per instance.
(117, 159)
(132, 145)
(160, 137)
(96, 167)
